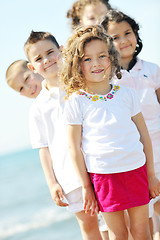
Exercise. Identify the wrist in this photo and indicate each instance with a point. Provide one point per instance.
(86, 185)
(52, 183)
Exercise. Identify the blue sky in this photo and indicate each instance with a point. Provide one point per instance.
(19, 17)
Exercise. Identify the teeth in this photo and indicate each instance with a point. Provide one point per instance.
(97, 71)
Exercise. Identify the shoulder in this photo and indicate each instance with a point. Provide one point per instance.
(126, 90)
(127, 94)
(149, 66)
(74, 97)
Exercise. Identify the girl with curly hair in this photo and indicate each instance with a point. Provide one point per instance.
(108, 140)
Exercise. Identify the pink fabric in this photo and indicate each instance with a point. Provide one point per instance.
(120, 191)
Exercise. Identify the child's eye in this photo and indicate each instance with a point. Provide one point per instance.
(92, 18)
(38, 59)
(26, 78)
(20, 90)
(127, 33)
(114, 38)
(50, 52)
(86, 59)
(102, 56)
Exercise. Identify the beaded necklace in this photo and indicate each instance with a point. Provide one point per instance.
(104, 98)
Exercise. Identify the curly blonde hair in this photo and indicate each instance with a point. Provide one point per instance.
(71, 73)
(76, 12)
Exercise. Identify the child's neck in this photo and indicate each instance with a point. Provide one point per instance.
(125, 62)
(98, 88)
(51, 83)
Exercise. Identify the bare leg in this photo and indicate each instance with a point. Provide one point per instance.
(103, 227)
(104, 235)
(151, 227)
(116, 225)
(89, 226)
(156, 227)
(139, 222)
(157, 207)
(127, 221)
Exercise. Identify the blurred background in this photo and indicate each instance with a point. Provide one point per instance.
(26, 209)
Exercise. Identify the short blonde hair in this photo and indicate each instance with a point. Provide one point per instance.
(71, 73)
(16, 65)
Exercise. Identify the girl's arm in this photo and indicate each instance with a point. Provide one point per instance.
(55, 189)
(154, 184)
(74, 135)
(158, 94)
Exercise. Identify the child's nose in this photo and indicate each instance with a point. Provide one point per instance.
(123, 39)
(96, 62)
(46, 60)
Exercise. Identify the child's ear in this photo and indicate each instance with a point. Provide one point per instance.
(31, 67)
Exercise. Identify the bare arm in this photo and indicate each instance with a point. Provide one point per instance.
(74, 135)
(154, 184)
(55, 189)
(158, 94)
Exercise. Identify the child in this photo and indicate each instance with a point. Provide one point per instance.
(48, 130)
(107, 135)
(141, 75)
(23, 80)
(86, 12)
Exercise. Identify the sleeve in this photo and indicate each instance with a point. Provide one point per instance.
(135, 103)
(157, 77)
(73, 113)
(37, 128)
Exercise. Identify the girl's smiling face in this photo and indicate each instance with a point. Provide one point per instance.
(96, 65)
(124, 39)
(92, 12)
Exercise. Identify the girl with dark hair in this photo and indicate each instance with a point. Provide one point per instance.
(141, 75)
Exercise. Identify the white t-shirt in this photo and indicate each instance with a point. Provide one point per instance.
(110, 139)
(144, 77)
(48, 129)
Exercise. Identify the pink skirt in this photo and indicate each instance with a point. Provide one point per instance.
(120, 191)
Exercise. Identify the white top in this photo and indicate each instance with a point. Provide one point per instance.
(48, 129)
(144, 77)
(110, 139)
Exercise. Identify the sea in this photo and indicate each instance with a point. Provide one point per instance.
(27, 211)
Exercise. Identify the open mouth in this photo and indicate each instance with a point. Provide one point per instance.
(98, 71)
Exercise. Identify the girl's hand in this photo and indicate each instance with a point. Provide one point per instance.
(57, 195)
(154, 186)
(90, 203)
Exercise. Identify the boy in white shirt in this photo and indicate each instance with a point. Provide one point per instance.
(48, 132)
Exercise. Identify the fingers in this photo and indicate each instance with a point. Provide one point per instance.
(97, 207)
(154, 187)
(154, 194)
(58, 199)
(91, 207)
